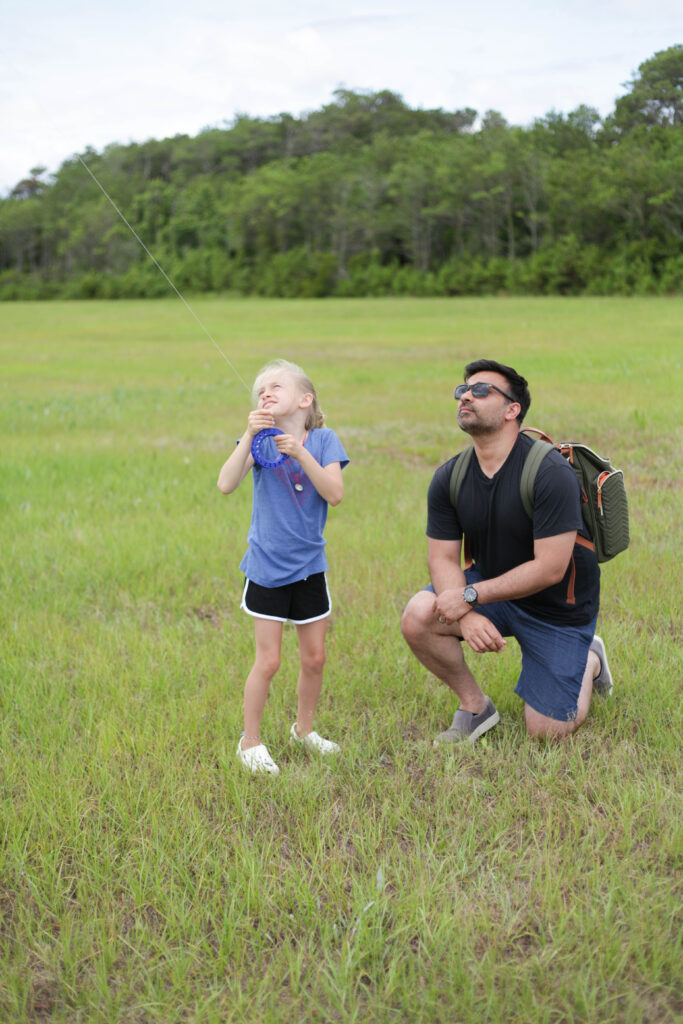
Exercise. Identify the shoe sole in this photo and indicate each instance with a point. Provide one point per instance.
(484, 727)
(311, 749)
(259, 771)
(604, 689)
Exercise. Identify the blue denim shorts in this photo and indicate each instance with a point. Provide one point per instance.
(553, 657)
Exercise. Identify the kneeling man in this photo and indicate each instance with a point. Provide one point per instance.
(535, 580)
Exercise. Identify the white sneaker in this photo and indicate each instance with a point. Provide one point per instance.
(257, 759)
(314, 742)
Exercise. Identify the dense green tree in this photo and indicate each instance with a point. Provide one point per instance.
(656, 93)
(368, 196)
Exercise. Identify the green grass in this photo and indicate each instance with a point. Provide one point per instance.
(143, 877)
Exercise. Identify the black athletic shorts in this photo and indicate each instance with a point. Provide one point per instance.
(304, 601)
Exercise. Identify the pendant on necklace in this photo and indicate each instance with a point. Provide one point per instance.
(298, 487)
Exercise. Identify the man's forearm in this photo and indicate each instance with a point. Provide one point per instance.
(521, 581)
(549, 565)
(525, 579)
(446, 575)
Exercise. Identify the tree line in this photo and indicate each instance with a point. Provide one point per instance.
(367, 196)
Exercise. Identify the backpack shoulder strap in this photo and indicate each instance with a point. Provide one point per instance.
(534, 430)
(535, 457)
(458, 473)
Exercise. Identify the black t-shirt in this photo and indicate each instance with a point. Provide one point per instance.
(501, 536)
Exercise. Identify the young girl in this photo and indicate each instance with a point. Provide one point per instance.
(285, 561)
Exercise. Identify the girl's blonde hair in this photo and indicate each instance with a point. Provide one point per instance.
(316, 417)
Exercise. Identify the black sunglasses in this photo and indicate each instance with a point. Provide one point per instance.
(479, 390)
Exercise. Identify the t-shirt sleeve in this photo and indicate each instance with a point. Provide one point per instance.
(557, 498)
(332, 450)
(442, 520)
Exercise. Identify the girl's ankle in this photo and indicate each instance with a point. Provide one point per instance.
(247, 741)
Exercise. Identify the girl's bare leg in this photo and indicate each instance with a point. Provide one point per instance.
(312, 656)
(268, 636)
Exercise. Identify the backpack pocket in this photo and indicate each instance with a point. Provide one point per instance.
(610, 514)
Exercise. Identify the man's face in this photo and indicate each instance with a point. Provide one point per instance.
(484, 415)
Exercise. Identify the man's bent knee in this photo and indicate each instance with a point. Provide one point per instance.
(542, 727)
(416, 617)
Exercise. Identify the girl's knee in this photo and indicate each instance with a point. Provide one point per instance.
(267, 663)
(313, 660)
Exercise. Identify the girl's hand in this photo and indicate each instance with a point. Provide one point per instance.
(259, 419)
(288, 446)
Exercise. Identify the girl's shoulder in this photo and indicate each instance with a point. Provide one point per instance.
(321, 433)
(324, 443)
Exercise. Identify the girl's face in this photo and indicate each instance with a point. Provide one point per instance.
(279, 393)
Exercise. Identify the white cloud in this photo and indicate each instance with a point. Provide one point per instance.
(84, 74)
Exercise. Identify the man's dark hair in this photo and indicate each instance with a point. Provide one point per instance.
(518, 386)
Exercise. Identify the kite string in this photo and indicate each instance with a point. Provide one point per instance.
(165, 275)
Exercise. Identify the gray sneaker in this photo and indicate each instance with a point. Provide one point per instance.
(602, 682)
(468, 726)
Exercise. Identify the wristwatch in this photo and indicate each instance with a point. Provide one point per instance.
(470, 595)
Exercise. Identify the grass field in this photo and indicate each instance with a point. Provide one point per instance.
(143, 877)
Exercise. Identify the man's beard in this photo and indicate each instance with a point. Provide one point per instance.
(475, 428)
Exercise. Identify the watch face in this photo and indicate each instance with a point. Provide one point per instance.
(470, 594)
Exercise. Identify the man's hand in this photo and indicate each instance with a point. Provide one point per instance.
(450, 606)
(480, 633)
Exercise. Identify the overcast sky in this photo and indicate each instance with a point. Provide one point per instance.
(76, 74)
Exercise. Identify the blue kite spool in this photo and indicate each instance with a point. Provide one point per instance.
(256, 448)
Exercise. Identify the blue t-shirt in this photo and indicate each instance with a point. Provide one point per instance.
(285, 539)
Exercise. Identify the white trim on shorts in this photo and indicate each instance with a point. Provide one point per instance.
(276, 618)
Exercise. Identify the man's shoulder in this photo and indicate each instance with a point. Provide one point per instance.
(442, 474)
(555, 466)
(446, 468)
(552, 461)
